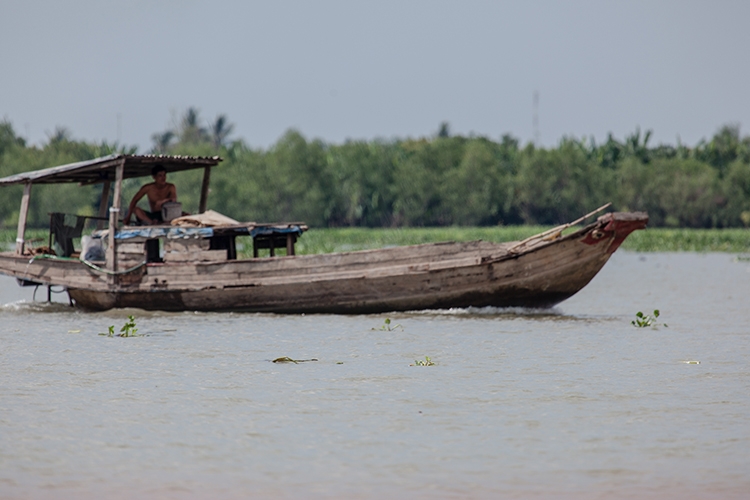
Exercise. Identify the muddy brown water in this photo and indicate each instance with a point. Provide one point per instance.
(573, 402)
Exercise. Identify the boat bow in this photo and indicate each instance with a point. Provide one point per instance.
(616, 227)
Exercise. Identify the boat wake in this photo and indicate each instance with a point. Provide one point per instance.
(511, 313)
(26, 306)
(492, 311)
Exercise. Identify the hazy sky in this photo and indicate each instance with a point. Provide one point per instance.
(110, 70)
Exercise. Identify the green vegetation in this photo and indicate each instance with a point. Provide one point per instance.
(328, 240)
(689, 240)
(427, 362)
(317, 241)
(36, 237)
(644, 320)
(127, 330)
(387, 327)
(437, 181)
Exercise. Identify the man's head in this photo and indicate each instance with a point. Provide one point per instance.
(159, 173)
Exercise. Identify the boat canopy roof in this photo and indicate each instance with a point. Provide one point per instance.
(103, 169)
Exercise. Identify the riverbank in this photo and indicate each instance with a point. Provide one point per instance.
(650, 240)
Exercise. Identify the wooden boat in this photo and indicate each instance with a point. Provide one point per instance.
(173, 268)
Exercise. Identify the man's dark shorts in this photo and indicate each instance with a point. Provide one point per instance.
(154, 216)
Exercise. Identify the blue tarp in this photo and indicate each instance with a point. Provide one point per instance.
(266, 230)
(176, 232)
(165, 232)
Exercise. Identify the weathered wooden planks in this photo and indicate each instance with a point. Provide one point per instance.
(186, 245)
(196, 255)
(418, 277)
(22, 214)
(65, 272)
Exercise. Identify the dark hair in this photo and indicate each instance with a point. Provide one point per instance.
(157, 169)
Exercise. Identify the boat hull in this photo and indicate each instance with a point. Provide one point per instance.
(538, 274)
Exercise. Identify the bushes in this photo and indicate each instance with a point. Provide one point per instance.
(435, 181)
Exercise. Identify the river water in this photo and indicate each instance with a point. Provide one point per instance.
(574, 402)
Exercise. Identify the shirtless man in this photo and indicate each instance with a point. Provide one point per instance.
(158, 192)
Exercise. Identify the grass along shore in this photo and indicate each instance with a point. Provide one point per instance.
(649, 240)
(350, 239)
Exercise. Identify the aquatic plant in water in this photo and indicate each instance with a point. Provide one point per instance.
(427, 362)
(643, 320)
(127, 330)
(387, 327)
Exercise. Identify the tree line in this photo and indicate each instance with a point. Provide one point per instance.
(439, 180)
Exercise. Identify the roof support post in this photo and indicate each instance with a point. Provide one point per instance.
(114, 216)
(103, 204)
(22, 215)
(204, 190)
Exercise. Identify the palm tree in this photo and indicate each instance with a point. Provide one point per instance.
(190, 131)
(444, 130)
(637, 148)
(162, 141)
(220, 131)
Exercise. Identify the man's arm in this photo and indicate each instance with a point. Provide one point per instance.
(140, 194)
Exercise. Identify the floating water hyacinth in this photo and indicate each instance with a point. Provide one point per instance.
(387, 327)
(127, 330)
(427, 362)
(643, 320)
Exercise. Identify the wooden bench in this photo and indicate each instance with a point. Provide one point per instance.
(273, 236)
(274, 241)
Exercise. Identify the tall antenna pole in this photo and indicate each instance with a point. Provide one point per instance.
(535, 118)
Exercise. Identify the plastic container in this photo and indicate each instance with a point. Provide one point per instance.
(171, 210)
